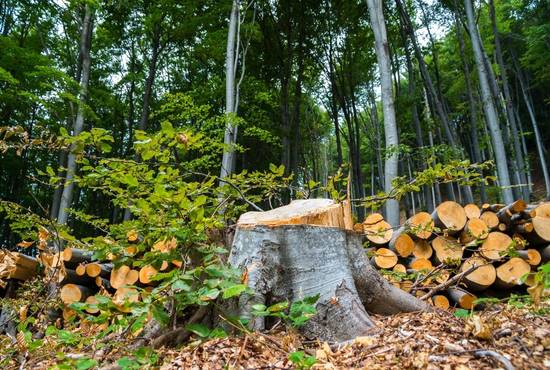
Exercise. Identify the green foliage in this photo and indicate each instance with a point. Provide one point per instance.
(295, 314)
(301, 361)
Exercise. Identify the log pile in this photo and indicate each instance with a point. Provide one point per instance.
(16, 266)
(487, 249)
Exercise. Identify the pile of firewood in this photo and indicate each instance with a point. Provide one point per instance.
(456, 252)
(16, 266)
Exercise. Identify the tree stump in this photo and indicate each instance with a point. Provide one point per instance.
(288, 261)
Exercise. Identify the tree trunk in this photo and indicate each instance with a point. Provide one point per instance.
(390, 125)
(489, 108)
(538, 136)
(471, 104)
(291, 262)
(85, 45)
(508, 106)
(230, 137)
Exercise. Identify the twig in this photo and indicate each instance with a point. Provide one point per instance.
(450, 282)
(497, 356)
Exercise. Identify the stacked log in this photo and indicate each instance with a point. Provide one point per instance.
(14, 265)
(485, 248)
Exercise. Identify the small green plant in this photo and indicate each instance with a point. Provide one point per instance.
(301, 361)
(142, 357)
(295, 314)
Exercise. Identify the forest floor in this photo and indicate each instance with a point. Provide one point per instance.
(435, 340)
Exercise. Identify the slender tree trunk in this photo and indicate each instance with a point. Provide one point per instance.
(85, 45)
(390, 125)
(508, 105)
(489, 108)
(471, 103)
(538, 136)
(230, 137)
(151, 74)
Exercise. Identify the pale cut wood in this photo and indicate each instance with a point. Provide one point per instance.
(447, 250)
(482, 277)
(505, 214)
(385, 258)
(406, 285)
(531, 256)
(442, 276)
(98, 269)
(440, 301)
(71, 293)
(68, 313)
(422, 249)
(462, 298)
(492, 207)
(91, 300)
(119, 276)
(379, 233)
(450, 216)
(495, 245)
(146, 273)
(472, 211)
(502, 227)
(421, 225)
(524, 228)
(474, 231)
(103, 283)
(511, 272)
(80, 270)
(490, 218)
(124, 297)
(419, 264)
(76, 256)
(132, 277)
(321, 212)
(400, 268)
(401, 243)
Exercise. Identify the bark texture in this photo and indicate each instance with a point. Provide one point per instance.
(291, 262)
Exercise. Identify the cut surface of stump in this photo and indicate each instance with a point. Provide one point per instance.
(495, 245)
(420, 264)
(482, 277)
(440, 301)
(291, 262)
(422, 249)
(450, 215)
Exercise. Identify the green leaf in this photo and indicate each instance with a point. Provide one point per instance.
(234, 291)
(85, 363)
(461, 313)
(160, 314)
(199, 329)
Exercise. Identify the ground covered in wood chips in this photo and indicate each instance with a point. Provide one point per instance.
(405, 341)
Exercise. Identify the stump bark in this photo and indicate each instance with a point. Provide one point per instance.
(293, 261)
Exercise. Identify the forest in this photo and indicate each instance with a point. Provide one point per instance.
(279, 184)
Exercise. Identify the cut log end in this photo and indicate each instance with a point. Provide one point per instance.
(495, 245)
(482, 277)
(450, 215)
(511, 272)
(385, 258)
(440, 301)
(421, 225)
(71, 293)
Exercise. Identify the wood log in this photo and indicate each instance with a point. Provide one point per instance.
(420, 225)
(103, 283)
(124, 297)
(511, 272)
(505, 213)
(472, 211)
(28, 262)
(531, 256)
(321, 212)
(68, 314)
(401, 243)
(495, 245)
(71, 293)
(384, 258)
(67, 276)
(316, 260)
(95, 269)
(447, 250)
(400, 268)
(422, 249)
(492, 207)
(122, 276)
(523, 228)
(449, 216)
(462, 298)
(378, 233)
(420, 264)
(482, 277)
(474, 231)
(80, 270)
(541, 225)
(519, 241)
(91, 300)
(76, 256)
(440, 301)
(502, 227)
(545, 254)
(147, 272)
(490, 218)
